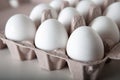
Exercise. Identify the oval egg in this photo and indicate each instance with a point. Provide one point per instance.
(37, 11)
(113, 12)
(51, 35)
(107, 29)
(66, 16)
(19, 27)
(84, 6)
(99, 2)
(84, 44)
(56, 4)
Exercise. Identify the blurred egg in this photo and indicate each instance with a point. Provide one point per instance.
(84, 44)
(19, 27)
(51, 35)
(107, 29)
(84, 6)
(37, 11)
(56, 4)
(99, 2)
(113, 12)
(66, 16)
(73, 2)
(14, 3)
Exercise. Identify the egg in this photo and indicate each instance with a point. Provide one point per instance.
(103, 3)
(84, 6)
(66, 16)
(14, 3)
(51, 35)
(56, 4)
(113, 12)
(107, 29)
(99, 2)
(73, 2)
(84, 44)
(19, 27)
(37, 11)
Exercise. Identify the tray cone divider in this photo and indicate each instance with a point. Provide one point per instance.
(46, 14)
(94, 12)
(107, 3)
(76, 22)
(115, 52)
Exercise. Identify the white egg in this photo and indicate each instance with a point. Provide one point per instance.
(99, 2)
(66, 16)
(51, 35)
(113, 12)
(107, 29)
(72, 2)
(56, 4)
(19, 27)
(37, 11)
(85, 45)
(84, 6)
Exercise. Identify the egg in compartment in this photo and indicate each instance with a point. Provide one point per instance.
(19, 27)
(58, 4)
(113, 12)
(66, 16)
(38, 10)
(99, 2)
(51, 35)
(84, 44)
(83, 7)
(107, 29)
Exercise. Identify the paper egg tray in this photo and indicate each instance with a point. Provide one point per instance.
(57, 59)
(2, 45)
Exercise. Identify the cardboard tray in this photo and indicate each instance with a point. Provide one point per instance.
(56, 60)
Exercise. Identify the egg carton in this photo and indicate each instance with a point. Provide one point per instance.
(2, 44)
(57, 59)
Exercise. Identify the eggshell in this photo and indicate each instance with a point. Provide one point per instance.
(107, 29)
(72, 2)
(14, 3)
(113, 12)
(19, 27)
(56, 4)
(51, 35)
(85, 45)
(99, 2)
(84, 6)
(66, 16)
(36, 13)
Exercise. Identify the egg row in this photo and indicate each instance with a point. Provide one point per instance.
(83, 8)
(84, 44)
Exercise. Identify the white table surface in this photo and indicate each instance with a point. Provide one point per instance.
(11, 69)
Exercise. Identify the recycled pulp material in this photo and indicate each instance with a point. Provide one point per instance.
(56, 60)
(106, 4)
